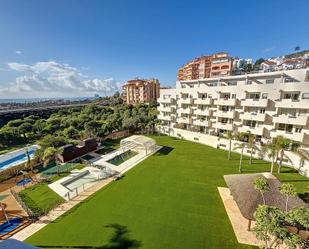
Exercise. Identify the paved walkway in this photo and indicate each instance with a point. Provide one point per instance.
(239, 223)
(58, 211)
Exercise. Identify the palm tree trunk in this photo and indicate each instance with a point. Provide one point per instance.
(286, 203)
(251, 154)
(240, 161)
(280, 162)
(272, 165)
(230, 149)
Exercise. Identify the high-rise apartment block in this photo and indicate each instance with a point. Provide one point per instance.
(141, 91)
(203, 67)
(266, 104)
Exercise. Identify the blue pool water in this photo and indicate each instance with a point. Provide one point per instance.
(23, 182)
(17, 159)
(10, 225)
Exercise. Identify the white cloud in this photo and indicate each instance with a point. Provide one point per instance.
(18, 52)
(51, 77)
(267, 50)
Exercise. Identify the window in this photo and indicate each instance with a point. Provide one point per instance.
(287, 80)
(305, 96)
(232, 83)
(249, 82)
(298, 129)
(264, 95)
(270, 81)
(262, 110)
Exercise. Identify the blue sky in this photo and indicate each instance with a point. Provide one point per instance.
(78, 48)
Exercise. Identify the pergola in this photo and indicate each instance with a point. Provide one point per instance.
(139, 143)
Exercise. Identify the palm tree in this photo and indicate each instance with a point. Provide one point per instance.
(229, 136)
(298, 150)
(240, 146)
(28, 163)
(288, 190)
(261, 185)
(50, 154)
(283, 144)
(272, 150)
(251, 145)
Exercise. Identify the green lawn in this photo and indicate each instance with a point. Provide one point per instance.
(40, 198)
(170, 200)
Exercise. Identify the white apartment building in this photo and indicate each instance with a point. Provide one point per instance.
(266, 104)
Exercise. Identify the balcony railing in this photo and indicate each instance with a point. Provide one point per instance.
(291, 119)
(255, 102)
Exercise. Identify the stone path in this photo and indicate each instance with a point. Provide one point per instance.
(58, 211)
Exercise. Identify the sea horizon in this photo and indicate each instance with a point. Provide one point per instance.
(30, 100)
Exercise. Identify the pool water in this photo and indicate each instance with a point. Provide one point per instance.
(119, 159)
(17, 159)
(24, 182)
(10, 225)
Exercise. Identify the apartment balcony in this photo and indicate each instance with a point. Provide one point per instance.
(206, 101)
(199, 122)
(187, 101)
(289, 119)
(252, 116)
(223, 126)
(166, 117)
(255, 102)
(229, 102)
(165, 100)
(298, 137)
(203, 112)
(225, 114)
(164, 109)
(184, 120)
(290, 103)
(184, 111)
(254, 130)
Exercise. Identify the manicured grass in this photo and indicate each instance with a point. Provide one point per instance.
(40, 198)
(170, 200)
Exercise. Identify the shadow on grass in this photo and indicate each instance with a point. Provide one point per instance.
(164, 151)
(304, 197)
(119, 240)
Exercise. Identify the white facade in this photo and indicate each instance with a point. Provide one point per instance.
(266, 104)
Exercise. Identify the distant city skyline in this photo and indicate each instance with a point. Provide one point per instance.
(81, 48)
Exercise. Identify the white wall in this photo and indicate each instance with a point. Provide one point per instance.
(215, 142)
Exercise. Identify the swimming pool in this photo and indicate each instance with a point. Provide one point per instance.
(16, 157)
(119, 159)
(10, 225)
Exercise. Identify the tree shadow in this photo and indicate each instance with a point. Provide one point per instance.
(304, 197)
(165, 150)
(119, 240)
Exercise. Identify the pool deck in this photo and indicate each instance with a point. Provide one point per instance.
(126, 165)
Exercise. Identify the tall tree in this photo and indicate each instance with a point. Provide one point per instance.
(261, 185)
(229, 136)
(241, 147)
(283, 144)
(272, 150)
(288, 190)
(271, 228)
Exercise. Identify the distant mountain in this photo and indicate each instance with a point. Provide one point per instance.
(297, 54)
